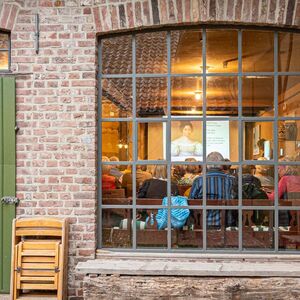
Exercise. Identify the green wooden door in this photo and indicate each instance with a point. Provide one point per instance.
(7, 176)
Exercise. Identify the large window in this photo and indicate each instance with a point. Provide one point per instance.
(199, 140)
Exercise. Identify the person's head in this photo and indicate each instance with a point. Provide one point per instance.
(160, 171)
(178, 171)
(186, 128)
(247, 169)
(105, 168)
(261, 144)
(261, 169)
(215, 157)
(288, 169)
(226, 168)
(114, 158)
(192, 169)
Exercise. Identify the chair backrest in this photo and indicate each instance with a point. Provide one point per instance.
(114, 193)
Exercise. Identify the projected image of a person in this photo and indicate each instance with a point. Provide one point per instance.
(185, 145)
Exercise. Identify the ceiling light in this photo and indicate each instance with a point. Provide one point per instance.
(198, 95)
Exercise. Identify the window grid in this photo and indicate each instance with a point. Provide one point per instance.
(241, 161)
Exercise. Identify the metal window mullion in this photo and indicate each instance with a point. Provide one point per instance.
(168, 137)
(204, 212)
(240, 142)
(275, 131)
(99, 142)
(134, 143)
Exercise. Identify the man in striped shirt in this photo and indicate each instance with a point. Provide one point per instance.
(219, 186)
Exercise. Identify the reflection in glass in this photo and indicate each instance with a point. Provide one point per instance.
(117, 140)
(224, 233)
(258, 51)
(151, 140)
(222, 96)
(221, 136)
(186, 140)
(222, 51)
(4, 60)
(116, 98)
(289, 235)
(116, 232)
(149, 234)
(288, 52)
(186, 51)
(258, 229)
(288, 139)
(258, 96)
(288, 96)
(151, 97)
(258, 140)
(151, 52)
(186, 96)
(117, 55)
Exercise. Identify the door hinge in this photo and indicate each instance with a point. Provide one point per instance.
(10, 200)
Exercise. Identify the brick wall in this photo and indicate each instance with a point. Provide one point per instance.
(56, 94)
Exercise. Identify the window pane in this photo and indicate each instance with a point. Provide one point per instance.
(288, 187)
(222, 136)
(186, 140)
(258, 182)
(258, 96)
(116, 98)
(222, 96)
(4, 41)
(151, 141)
(288, 96)
(186, 51)
(151, 97)
(117, 140)
(258, 51)
(151, 52)
(151, 232)
(186, 96)
(191, 234)
(288, 52)
(258, 231)
(289, 236)
(288, 139)
(4, 60)
(258, 140)
(222, 51)
(222, 229)
(117, 55)
(115, 230)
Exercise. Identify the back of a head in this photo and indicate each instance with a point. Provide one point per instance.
(114, 158)
(160, 171)
(215, 157)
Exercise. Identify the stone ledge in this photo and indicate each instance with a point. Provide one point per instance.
(189, 267)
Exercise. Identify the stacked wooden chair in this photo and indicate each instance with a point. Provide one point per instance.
(39, 258)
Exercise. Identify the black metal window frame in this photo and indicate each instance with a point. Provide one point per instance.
(7, 50)
(240, 118)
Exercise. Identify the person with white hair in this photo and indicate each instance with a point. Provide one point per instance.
(219, 186)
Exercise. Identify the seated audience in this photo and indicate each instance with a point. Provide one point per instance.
(114, 171)
(108, 182)
(219, 186)
(156, 187)
(178, 172)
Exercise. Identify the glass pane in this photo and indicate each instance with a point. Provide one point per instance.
(186, 96)
(116, 98)
(258, 140)
(222, 229)
(151, 52)
(289, 233)
(258, 51)
(222, 136)
(258, 96)
(222, 51)
(146, 135)
(186, 51)
(186, 140)
(151, 230)
(115, 230)
(117, 140)
(258, 231)
(4, 41)
(190, 235)
(288, 184)
(151, 97)
(288, 52)
(222, 96)
(117, 55)
(258, 182)
(288, 139)
(4, 60)
(288, 96)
